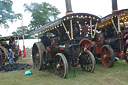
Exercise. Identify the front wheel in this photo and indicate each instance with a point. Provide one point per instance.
(107, 56)
(87, 61)
(61, 65)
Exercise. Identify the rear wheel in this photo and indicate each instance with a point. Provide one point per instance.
(107, 56)
(37, 54)
(61, 65)
(87, 61)
(126, 53)
(4, 54)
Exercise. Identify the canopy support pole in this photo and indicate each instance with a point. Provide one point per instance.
(114, 26)
(95, 31)
(66, 30)
(71, 29)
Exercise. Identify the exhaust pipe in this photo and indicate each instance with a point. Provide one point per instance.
(68, 7)
(114, 6)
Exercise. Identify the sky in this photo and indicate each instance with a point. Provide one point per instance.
(97, 7)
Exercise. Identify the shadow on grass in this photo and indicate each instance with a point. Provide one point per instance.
(72, 72)
(99, 68)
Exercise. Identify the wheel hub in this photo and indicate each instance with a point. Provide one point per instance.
(37, 54)
(105, 56)
(58, 66)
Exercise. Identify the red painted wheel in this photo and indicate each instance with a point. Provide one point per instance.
(107, 56)
(126, 53)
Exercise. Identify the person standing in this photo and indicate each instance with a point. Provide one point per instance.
(11, 55)
(20, 54)
(0, 58)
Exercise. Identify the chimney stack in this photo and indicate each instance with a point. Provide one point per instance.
(68, 7)
(114, 6)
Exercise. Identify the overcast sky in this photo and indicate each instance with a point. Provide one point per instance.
(96, 7)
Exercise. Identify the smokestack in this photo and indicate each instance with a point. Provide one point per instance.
(68, 7)
(114, 6)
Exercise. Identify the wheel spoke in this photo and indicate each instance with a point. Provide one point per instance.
(105, 50)
(90, 67)
(61, 71)
(60, 60)
(86, 45)
(60, 67)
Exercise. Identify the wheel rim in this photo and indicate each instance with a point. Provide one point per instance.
(60, 65)
(126, 53)
(87, 62)
(106, 57)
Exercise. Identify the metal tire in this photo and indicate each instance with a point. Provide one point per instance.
(37, 54)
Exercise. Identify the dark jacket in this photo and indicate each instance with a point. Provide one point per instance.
(0, 53)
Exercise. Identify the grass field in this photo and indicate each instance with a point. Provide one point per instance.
(118, 75)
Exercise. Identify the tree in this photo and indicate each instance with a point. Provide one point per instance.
(41, 13)
(6, 13)
(26, 32)
(3, 42)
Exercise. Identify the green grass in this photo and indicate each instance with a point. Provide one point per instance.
(118, 75)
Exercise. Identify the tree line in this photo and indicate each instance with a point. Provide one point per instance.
(41, 13)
